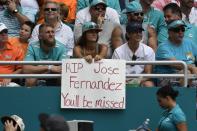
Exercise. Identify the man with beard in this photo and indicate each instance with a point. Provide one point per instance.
(107, 19)
(46, 49)
(63, 33)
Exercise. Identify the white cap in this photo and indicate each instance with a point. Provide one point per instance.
(16, 119)
(2, 27)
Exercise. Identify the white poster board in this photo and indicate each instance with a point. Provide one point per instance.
(99, 85)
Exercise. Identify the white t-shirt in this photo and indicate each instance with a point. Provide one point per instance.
(143, 53)
(63, 34)
(83, 16)
(193, 16)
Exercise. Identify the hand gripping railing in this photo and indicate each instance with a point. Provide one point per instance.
(184, 75)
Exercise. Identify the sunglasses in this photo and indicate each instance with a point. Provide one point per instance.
(134, 57)
(5, 31)
(178, 29)
(138, 14)
(50, 9)
(98, 8)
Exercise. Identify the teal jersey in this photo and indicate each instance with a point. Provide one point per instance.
(171, 118)
(186, 52)
(155, 18)
(35, 53)
(191, 32)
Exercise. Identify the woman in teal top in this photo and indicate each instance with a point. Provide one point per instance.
(173, 118)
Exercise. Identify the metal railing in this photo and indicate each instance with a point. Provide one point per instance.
(184, 75)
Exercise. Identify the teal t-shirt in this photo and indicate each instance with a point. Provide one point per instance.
(156, 19)
(170, 119)
(186, 52)
(191, 32)
(35, 53)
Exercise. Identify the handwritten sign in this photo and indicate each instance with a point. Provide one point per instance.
(99, 85)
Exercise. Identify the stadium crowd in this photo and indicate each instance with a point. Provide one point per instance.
(133, 30)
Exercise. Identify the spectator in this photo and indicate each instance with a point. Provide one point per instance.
(87, 47)
(12, 16)
(46, 49)
(107, 18)
(173, 118)
(13, 123)
(193, 14)
(30, 9)
(186, 6)
(63, 11)
(8, 52)
(154, 19)
(173, 12)
(53, 123)
(111, 3)
(159, 4)
(72, 7)
(134, 50)
(24, 35)
(42, 118)
(176, 48)
(134, 13)
(63, 33)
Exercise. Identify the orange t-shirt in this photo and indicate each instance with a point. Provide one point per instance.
(16, 41)
(72, 6)
(10, 53)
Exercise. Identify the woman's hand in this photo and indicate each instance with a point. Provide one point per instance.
(98, 57)
(88, 58)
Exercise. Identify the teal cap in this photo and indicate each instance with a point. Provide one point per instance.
(133, 6)
(90, 26)
(96, 2)
(176, 23)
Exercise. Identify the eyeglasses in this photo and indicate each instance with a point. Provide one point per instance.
(134, 57)
(139, 14)
(5, 31)
(50, 9)
(100, 8)
(178, 29)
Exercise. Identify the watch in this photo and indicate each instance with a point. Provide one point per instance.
(15, 11)
(49, 68)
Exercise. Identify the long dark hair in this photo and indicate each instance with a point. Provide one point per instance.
(82, 40)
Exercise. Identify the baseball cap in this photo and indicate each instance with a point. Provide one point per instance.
(96, 2)
(176, 23)
(56, 123)
(90, 26)
(134, 26)
(133, 6)
(2, 27)
(16, 120)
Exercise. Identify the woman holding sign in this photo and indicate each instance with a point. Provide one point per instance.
(87, 46)
(173, 118)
